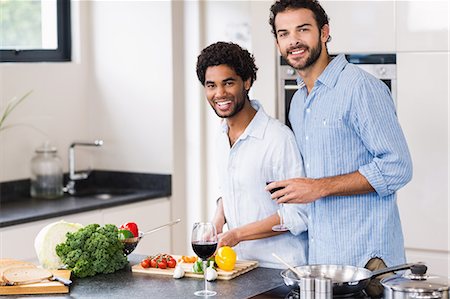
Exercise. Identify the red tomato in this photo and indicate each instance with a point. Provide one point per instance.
(171, 263)
(132, 227)
(162, 264)
(145, 263)
(153, 263)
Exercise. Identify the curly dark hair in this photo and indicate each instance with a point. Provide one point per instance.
(230, 54)
(320, 15)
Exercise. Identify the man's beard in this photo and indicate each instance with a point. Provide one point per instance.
(311, 60)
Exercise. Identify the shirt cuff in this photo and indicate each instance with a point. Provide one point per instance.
(295, 218)
(375, 178)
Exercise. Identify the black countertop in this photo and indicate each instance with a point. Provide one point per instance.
(126, 284)
(104, 189)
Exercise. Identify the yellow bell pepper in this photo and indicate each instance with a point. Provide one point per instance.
(225, 258)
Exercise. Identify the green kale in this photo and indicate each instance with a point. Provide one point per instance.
(92, 250)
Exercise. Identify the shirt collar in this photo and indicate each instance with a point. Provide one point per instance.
(331, 73)
(256, 127)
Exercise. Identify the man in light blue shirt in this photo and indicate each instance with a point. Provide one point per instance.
(251, 147)
(354, 151)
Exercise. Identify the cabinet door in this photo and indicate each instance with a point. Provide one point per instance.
(147, 215)
(422, 25)
(361, 26)
(422, 108)
(17, 241)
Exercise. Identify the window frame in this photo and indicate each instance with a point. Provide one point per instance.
(62, 53)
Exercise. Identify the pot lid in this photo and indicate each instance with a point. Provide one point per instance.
(46, 148)
(416, 281)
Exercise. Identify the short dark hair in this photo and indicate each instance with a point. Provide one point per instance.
(320, 15)
(230, 54)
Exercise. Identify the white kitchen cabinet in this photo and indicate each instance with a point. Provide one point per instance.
(423, 113)
(147, 214)
(422, 25)
(17, 241)
(361, 26)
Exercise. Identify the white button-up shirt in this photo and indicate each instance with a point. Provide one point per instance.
(266, 146)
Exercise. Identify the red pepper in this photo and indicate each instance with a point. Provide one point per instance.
(132, 227)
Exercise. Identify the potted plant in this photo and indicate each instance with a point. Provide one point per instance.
(10, 106)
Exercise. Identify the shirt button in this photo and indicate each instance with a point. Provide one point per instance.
(307, 165)
(307, 137)
(312, 240)
(308, 110)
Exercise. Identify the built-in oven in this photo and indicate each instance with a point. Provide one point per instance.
(382, 66)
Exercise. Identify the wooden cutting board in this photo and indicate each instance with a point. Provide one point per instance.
(241, 267)
(43, 287)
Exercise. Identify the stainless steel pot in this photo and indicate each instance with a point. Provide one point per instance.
(346, 279)
(415, 284)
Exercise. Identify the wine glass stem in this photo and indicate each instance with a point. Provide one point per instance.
(281, 214)
(205, 266)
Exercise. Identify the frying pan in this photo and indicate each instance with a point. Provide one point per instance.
(346, 279)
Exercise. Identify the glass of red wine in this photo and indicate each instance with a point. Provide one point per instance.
(204, 244)
(272, 175)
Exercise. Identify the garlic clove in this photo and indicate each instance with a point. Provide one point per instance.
(211, 274)
(178, 272)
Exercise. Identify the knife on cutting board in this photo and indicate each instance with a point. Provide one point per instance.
(28, 275)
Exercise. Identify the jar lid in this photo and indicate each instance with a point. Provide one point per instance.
(409, 282)
(46, 148)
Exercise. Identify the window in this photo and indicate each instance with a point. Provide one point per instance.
(35, 30)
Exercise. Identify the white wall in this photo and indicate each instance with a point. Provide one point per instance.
(118, 88)
(130, 84)
(55, 111)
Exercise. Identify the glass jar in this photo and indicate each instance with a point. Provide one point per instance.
(46, 173)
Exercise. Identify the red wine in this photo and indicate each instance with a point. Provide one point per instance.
(274, 189)
(204, 249)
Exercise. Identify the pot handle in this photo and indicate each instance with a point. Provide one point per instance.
(434, 295)
(391, 269)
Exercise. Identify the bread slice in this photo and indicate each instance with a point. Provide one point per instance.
(6, 264)
(25, 274)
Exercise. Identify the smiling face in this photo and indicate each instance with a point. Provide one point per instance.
(299, 39)
(225, 91)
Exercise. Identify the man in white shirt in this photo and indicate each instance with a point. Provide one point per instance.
(251, 147)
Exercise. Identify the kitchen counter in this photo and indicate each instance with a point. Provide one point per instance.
(126, 284)
(17, 207)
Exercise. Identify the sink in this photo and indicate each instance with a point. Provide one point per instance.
(103, 193)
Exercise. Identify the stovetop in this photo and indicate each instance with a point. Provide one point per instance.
(286, 292)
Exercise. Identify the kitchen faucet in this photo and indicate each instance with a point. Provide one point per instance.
(73, 176)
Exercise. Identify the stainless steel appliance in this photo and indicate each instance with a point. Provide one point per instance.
(382, 66)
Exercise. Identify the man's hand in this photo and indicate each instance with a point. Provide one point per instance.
(298, 190)
(306, 190)
(229, 238)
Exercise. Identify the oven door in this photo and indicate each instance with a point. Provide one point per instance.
(287, 88)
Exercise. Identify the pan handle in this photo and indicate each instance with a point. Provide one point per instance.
(392, 269)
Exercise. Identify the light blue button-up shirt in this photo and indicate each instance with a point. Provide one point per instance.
(265, 151)
(348, 123)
